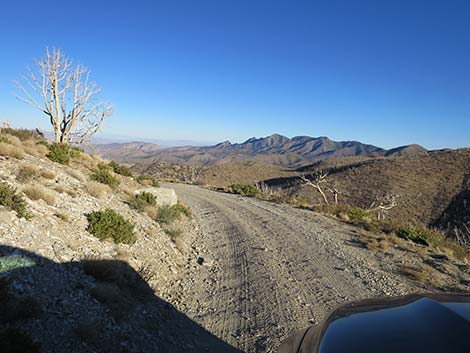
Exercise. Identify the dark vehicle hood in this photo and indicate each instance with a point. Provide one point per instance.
(408, 324)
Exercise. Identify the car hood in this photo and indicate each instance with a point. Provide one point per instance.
(414, 323)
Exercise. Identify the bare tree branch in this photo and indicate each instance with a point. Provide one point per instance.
(68, 97)
(316, 182)
(382, 204)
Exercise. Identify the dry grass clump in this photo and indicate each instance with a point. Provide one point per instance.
(423, 274)
(42, 150)
(10, 150)
(47, 174)
(76, 174)
(33, 148)
(27, 172)
(38, 192)
(12, 140)
(152, 212)
(97, 189)
(63, 190)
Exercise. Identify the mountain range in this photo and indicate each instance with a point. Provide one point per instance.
(274, 149)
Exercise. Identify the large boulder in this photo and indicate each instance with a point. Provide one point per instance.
(165, 197)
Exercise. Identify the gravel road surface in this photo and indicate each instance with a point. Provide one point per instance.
(269, 269)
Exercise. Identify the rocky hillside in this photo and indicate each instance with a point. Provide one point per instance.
(85, 265)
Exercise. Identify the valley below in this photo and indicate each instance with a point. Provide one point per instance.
(266, 270)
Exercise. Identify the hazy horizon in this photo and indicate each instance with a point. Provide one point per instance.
(381, 73)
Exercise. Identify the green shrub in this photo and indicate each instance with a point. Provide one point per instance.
(418, 235)
(4, 139)
(143, 200)
(12, 201)
(120, 169)
(23, 134)
(103, 175)
(168, 214)
(244, 189)
(61, 152)
(147, 180)
(358, 215)
(75, 152)
(109, 224)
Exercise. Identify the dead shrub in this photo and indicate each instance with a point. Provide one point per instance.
(9, 150)
(152, 212)
(38, 192)
(97, 189)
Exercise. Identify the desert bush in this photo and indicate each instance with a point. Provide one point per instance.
(23, 134)
(38, 192)
(27, 172)
(97, 189)
(120, 169)
(62, 153)
(169, 214)
(7, 149)
(103, 175)
(147, 180)
(244, 189)
(142, 201)
(59, 153)
(13, 201)
(421, 236)
(109, 224)
(358, 215)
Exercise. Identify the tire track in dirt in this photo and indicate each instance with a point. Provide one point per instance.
(269, 269)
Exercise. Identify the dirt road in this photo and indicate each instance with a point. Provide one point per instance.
(271, 269)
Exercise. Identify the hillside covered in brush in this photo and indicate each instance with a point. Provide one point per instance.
(431, 189)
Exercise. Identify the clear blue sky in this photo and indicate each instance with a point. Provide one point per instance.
(382, 72)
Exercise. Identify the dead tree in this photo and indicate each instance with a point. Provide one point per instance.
(65, 94)
(335, 191)
(319, 179)
(383, 204)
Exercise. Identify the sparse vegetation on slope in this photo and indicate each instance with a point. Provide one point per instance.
(169, 214)
(104, 175)
(143, 200)
(109, 224)
(10, 199)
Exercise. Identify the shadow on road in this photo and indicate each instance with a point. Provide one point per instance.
(89, 306)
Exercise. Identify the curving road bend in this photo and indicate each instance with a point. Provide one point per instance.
(271, 269)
